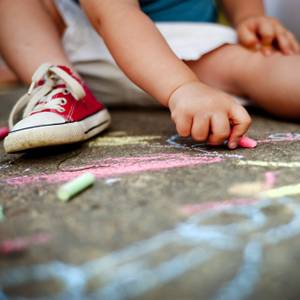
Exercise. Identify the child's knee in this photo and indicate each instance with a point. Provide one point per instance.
(224, 67)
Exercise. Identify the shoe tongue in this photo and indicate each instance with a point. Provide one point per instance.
(69, 71)
(59, 85)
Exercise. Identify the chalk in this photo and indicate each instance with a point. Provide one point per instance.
(21, 244)
(111, 181)
(113, 167)
(271, 164)
(114, 141)
(246, 188)
(270, 180)
(246, 142)
(288, 190)
(3, 132)
(74, 187)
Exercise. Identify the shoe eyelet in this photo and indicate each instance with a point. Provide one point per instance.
(65, 92)
(61, 110)
(63, 101)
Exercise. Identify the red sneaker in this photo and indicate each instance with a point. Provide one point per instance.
(58, 109)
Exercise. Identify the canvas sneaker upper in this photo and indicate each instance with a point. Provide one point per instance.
(58, 109)
(55, 96)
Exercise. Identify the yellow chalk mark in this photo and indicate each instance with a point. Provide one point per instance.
(272, 164)
(246, 189)
(122, 140)
(117, 133)
(288, 190)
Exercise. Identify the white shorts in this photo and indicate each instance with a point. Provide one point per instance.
(89, 55)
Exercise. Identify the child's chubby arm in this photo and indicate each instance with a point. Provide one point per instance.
(145, 57)
(258, 31)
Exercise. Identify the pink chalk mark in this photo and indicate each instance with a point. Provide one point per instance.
(23, 243)
(3, 132)
(246, 142)
(120, 166)
(191, 209)
(270, 180)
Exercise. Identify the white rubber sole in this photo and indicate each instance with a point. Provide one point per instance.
(61, 134)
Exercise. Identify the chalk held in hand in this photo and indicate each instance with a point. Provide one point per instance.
(76, 186)
(246, 142)
(3, 132)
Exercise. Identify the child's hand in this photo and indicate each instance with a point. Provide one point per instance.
(262, 33)
(208, 115)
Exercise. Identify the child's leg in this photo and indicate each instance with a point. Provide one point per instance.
(271, 82)
(7, 76)
(30, 34)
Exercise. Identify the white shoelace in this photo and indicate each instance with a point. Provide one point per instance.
(40, 97)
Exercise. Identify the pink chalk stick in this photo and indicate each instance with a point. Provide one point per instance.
(246, 142)
(3, 132)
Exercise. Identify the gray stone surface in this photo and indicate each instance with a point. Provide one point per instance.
(134, 234)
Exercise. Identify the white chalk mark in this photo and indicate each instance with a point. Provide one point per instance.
(111, 181)
(281, 137)
(268, 164)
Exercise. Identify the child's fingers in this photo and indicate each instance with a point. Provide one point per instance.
(240, 122)
(247, 37)
(294, 43)
(284, 44)
(220, 129)
(267, 33)
(184, 125)
(284, 41)
(267, 50)
(200, 128)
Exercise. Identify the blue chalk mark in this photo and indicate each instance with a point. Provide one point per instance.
(242, 286)
(74, 280)
(130, 284)
(255, 219)
(203, 148)
(210, 236)
(130, 272)
(275, 235)
(134, 251)
(2, 296)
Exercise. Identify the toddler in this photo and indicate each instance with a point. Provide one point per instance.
(171, 50)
